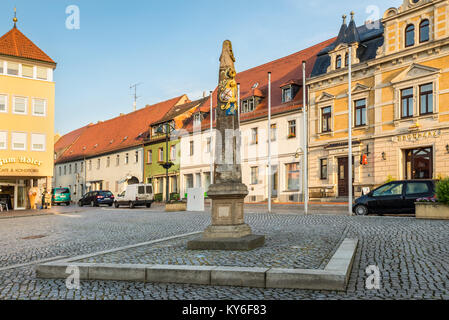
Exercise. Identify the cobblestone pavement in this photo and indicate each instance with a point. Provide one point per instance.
(297, 246)
(412, 255)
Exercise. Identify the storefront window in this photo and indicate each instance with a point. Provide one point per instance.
(293, 176)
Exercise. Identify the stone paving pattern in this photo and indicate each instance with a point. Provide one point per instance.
(413, 255)
(297, 247)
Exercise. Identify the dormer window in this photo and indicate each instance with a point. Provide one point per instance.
(287, 94)
(248, 105)
(338, 62)
(197, 119)
(424, 31)
(410, 35)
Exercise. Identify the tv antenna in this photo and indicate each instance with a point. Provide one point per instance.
(134, 86)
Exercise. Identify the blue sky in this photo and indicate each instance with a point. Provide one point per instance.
(171, 46)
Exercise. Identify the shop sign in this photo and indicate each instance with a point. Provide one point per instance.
(411, 137)
(20, 160)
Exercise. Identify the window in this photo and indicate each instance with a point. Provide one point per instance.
(42, 73)
(245, 106)
(326, 117)
(1, 67)
(70, 170)
(250, 105)
(81, 166)
(108, 162)
(360, 113)
(273, 132)
(60, 171)
(424, 31)
(407, 103)
(38, 142)
(126, 158)
(293, 176)
(254, 175)
(90, 165)
(346, 59)
(136, 157)
(39, 107)
(338, 62)
(161, 155)
(117, 160)
(173, 153)
(27, 71)
(415, 188)
(150, 156)
(254, 136)
(191, 147)
(287, 94)
(20, 105)
(65, 170)
(410, 35)
(323, 169)
(19, 141)
(292, 129)
(3, 103)
(197, 119)
(391, 189)
(76, 167)
(13, 69)
(208, 145)
(3, 140)
(426, 98)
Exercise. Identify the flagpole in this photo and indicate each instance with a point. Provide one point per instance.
(269, 142)
(305, 142)
(211, 144)
(350, 129)
(238, 100)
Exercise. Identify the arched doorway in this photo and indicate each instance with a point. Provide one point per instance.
(132, 180)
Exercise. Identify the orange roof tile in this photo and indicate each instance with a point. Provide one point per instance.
(119, 133)
(16, 44)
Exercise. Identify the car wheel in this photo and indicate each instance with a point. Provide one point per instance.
(361, 210)
(67, 204)
(80, 203)
(131, 205)
(110, 204)
(149, 205)
(116, 204)
(92, 204)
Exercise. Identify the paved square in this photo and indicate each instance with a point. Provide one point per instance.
(412, 255)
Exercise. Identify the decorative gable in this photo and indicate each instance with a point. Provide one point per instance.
(415, 71)
(325, 97)
(359, 88)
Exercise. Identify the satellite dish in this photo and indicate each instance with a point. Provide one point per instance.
(255, 85)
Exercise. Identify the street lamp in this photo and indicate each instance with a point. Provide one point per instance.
(167, 164)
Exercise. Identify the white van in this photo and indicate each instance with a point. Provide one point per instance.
(136, 195)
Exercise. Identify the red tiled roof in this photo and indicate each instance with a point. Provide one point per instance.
(16, 44)
(285, 70)
(67, 140)
(122, 132)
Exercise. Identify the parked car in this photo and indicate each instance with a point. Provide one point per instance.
(61, 195)
(394, 197)
(136, 195)
(97, 198)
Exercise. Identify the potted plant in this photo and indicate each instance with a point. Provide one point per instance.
(436, 207)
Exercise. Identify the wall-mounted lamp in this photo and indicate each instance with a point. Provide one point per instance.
(447, 148)
(384, 156)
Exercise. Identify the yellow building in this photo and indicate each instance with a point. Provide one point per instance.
(400, 101)
(27, 94)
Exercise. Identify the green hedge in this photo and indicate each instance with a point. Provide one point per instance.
(175, 196)
(158, 197)
(443, 191)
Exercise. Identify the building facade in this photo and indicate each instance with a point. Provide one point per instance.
(400, 90)
(108, 155)
(27, 106)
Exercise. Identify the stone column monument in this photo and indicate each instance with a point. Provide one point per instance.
(228, 230)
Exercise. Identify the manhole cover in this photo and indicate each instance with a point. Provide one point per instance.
(34, 237)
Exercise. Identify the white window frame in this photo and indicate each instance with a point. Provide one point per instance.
(12, 141)
(19, 67)
(6, 102)
(14, 105)
(33, 107)
(45, 142)
(5, 133)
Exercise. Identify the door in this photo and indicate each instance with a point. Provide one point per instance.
(414, 191)
(390, 198)
(343, 177)
(274, 181)
(419, 163)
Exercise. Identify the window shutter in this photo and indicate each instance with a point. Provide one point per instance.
(3, 140)
(20, 104)
(13, 68)
(3, 99)
(27, 71)
(39, 107)
(42, 73)
(38, 142)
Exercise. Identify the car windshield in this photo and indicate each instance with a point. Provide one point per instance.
(62, 191)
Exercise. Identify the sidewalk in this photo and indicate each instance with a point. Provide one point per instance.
(31, 213)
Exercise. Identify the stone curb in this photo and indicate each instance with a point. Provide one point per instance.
(335, 276)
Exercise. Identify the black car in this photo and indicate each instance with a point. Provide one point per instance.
(96, 198)
(394, 197)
